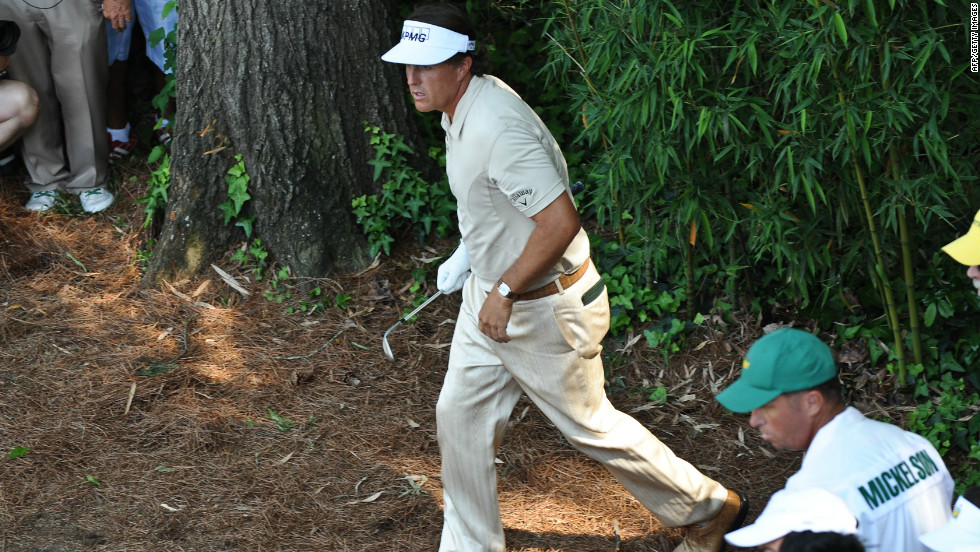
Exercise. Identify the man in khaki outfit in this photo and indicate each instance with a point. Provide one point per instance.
(62, 56)
(534, 307)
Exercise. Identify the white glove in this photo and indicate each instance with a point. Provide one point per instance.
(453, 272)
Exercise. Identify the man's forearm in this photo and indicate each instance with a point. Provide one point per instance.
(556, 227)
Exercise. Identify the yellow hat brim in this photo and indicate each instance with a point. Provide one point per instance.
(966, 248)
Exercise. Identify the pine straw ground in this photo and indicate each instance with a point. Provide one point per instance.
(120, 457)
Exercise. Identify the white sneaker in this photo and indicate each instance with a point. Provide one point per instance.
(96, 200)
(41, 201)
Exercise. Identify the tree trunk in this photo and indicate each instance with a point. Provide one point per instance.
(287, 84)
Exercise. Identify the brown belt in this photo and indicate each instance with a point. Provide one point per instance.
(565, 281)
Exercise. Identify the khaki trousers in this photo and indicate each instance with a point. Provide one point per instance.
(62, 55)
(553, 358)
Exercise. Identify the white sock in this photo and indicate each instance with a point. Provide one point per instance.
(120, 134)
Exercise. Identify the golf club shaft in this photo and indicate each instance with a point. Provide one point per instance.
(420, 307)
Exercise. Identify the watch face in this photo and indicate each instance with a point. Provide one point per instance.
(504, 289)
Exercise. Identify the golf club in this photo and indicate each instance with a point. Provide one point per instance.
(386, 346)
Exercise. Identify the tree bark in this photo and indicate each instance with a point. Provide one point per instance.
(289, 85)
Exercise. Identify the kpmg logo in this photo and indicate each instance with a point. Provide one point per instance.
(415, 34)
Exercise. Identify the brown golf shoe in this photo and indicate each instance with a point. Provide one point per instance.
(711, 536)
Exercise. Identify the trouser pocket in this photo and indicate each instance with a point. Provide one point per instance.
(584, 320)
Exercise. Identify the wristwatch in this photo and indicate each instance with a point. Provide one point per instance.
(504, 289)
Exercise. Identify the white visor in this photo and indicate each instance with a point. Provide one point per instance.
(427, 44)
(789, 510)
(961, 533)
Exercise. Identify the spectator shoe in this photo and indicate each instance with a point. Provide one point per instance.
(96, 200)
(121, 150)
(41, 201)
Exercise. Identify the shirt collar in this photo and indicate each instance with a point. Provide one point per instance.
(473, 89)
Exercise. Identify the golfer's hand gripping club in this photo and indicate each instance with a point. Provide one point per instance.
(453, 273)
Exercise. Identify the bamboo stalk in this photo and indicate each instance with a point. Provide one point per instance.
(878, 273)
(903, 229)
(910, 289)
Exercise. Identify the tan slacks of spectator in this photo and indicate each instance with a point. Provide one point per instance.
(553, 358)
(62, 55)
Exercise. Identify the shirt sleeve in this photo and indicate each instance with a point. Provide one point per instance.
(523, 166)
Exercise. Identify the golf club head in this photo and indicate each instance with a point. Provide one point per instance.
(386, 346)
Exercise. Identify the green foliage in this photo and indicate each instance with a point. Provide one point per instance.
(153, 370)
(945, 385)
(169, 91)
(259, 254)
(315, 301)
(517, 55)
(237, 180)
(76, 261)
(253, 256)
(159, 184)
(283, 423)
(808, 154)
(277, 290)
(668, 333)
(18, 451)
(281, 288)
(746, 121)
(941, 420)
(406, 200)
(341, 300)
(657, 394)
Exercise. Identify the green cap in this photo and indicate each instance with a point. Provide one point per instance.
(784, 361)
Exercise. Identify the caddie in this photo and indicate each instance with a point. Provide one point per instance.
(894, 481)
(534, 308)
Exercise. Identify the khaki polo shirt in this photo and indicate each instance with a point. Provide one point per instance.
(504, 167)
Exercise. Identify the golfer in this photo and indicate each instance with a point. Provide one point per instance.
(534, 308)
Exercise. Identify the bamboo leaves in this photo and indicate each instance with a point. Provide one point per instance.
(789, 107)
(841, 29)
